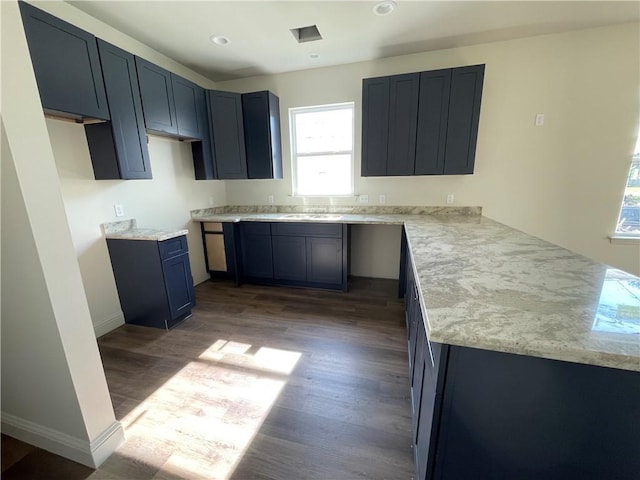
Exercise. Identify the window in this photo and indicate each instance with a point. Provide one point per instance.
(629, 218)
(322, 149)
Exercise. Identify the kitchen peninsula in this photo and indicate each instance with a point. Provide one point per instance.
(518, 349)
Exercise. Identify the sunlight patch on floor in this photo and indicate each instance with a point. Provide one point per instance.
(206, 415)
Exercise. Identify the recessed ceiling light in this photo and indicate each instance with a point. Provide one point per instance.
(220, 40)
(385, 8)
(314, 55)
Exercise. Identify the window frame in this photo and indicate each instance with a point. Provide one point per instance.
(293, 111)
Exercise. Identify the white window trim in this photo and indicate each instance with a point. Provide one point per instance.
(294, 155)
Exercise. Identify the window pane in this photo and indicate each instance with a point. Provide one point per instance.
(324, 131)
(629, 219)
(324, 175)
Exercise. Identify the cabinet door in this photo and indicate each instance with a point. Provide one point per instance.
(427, 414)
(375, 126)
(433, 110)
(179, 285)
(186, 96)
(66, 65)
(119, 148)
(202, 151)
(403, 121)
(462, 124)
(157, 97)
(324, 260)
(417, 371)
(261, 117)
(257, 256)
(225, 114)
(289, 258)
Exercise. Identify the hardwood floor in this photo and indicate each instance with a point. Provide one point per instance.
(263, 383)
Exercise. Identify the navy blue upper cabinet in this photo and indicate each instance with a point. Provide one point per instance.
(421, 123)
(462, 123)
(433, 110)
(403, 119)
(261, 119)
(119, 148)
(227, 134)
(158, 104)
(187, 98)
(171, 103)
(375, 126)
(202, 151)
(389, 122)
(66, 65)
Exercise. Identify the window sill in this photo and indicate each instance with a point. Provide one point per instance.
(621, 239)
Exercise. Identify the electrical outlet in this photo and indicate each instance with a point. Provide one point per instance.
(539, 119)
(211, 201)
(119, 209)
(450, 198)
(382, 199)
(363, 198)
(270, 198)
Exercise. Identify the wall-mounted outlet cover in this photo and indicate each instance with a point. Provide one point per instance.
(363, 198)
(539, 119)
(119, 209)
(270, 198)
(211, 201)
(382, 199)
(450, 198)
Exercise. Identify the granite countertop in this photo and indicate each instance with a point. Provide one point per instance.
(127, 230)
(485, 285)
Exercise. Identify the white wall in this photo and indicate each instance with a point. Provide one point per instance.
(54, 392)
(375, 251)
(162, 202)
(562, 182)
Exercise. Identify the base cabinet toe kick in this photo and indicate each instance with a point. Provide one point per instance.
(481, 414)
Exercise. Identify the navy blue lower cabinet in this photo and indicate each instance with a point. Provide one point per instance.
(486, 415)
(154, 280)
(257, 256)
(290, 258)
(324, 260)
(179, 285)
(311, 255)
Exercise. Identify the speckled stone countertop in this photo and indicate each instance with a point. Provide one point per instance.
(485, 285)
(127, 230)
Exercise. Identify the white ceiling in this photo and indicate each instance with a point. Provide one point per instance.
(261, 42)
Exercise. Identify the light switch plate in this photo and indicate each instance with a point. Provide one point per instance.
(363, 198)
(382, 199)
(539, 119)
(119, 209)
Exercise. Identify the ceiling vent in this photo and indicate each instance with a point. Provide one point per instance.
(306, 34)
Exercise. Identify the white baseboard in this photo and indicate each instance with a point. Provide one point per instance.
(105, 326)
(91, 454)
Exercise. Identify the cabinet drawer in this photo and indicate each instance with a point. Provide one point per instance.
(173, 246)
(308, 229)
(256, 228)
